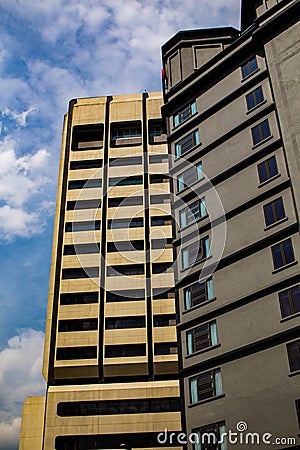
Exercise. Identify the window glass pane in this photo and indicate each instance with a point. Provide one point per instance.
(277, 256)
(273, 170)
(288, 251)
(253, 65)
(280, 214)
(269, 214)
(213, 333)
(285, 305)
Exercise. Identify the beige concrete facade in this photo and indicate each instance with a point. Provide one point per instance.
(111, 327)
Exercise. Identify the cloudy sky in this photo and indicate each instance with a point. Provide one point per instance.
(52, 51)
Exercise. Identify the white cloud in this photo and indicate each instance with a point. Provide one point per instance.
(22, 181)
(20, 376)
(19, 118)
(9, 434)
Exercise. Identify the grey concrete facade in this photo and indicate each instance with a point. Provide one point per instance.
(232, 114)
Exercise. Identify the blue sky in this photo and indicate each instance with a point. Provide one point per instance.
(52, 51)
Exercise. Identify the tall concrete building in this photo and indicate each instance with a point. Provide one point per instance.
(110, 358)
(232, 111)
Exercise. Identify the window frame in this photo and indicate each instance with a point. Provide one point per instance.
(194, 173)
(283, 251)
(293, 357)
(289, 299)
(250, 70)
(266, 164)
(187, 112)
(257, 96)
(208, 294)
(188, 216)
(264, 132)
(203, 252)
(194, 340)
(276, 205)
(213, 381)
(194, 137)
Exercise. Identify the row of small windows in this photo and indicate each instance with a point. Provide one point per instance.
(282, 253)
(208, 385)
(197, 210)
(117, 162)
(90, 137)
(200, 292)
(137, 269)
(85, 184)
(78, 298)
(107, 407)
(113, 323)
(127, 246)
(259, 133)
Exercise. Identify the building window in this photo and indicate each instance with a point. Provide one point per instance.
(83, 204)
(79, 298)
(85, 184)
(125, 246)
(293, 350)
(187, 143)
(211, 437)
(126, 161)
(184, 114)
(202, 337)
(274, 211)
(198, 293)
(156, 132)
(130, 269)
(87, 272)
(87, 137)
(193, 212)
(195, 252)
(125, 201)
(254, 98)
(161, 243)
(82, 226)
(164, 320)
(113, 323)
(125, 295)
(81, 249)
(120, 133)
(154, 179)
(77, 325)
(260, 132)
(158, 159)
(159, 199)
(86, 164)
(165, 348)
(189, 177)
(128, 181)
(161, 221)
(68, 353)
(163, 293)
(283, 253)
(250, 67)
(290, 301)
(267, 169)
(206, 385)
(107, 407)
(162, 268)
(124, 223)
(124, 350)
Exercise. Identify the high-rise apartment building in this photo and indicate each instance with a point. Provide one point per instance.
(232, 109)
(110, 358)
